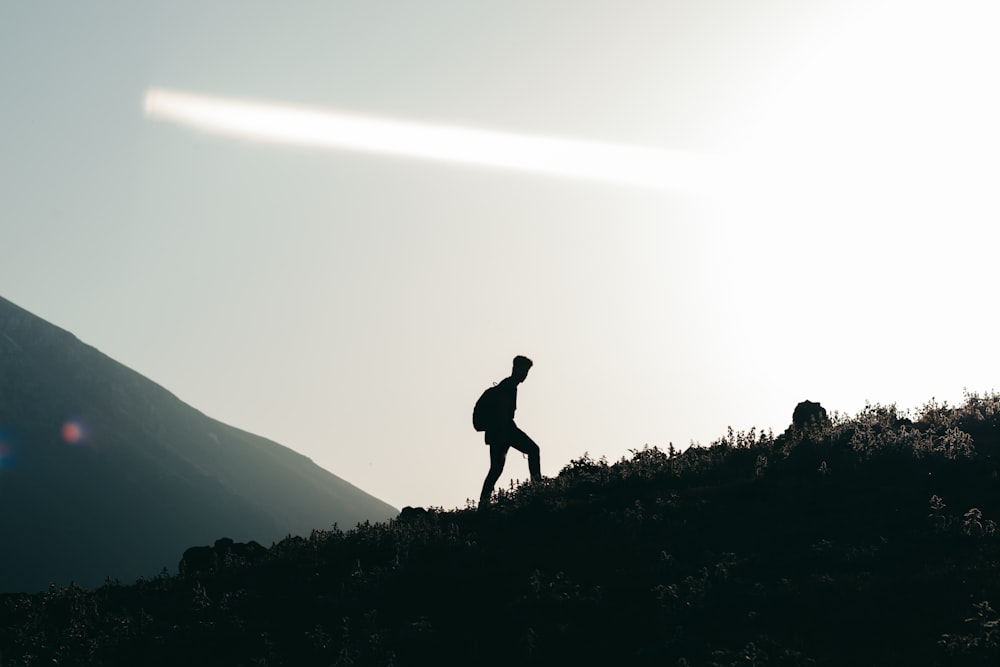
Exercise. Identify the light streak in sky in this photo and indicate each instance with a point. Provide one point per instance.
(678, 171)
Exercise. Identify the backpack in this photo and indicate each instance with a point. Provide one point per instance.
(484, 415)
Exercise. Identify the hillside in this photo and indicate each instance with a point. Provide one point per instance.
(104, 473)
(867, 540)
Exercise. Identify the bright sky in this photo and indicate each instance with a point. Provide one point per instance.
(351, 301)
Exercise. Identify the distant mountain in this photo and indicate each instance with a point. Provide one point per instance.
(105, 473)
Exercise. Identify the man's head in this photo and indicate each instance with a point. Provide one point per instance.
(521, 367)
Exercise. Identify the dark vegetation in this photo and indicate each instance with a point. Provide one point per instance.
(867, 540)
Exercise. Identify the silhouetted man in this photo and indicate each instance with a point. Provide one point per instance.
(502, 433)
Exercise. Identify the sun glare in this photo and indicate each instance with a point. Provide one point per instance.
(868, 220)
(679, 171)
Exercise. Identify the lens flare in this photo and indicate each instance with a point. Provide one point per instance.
(6, 455)
(679, 171)
(71, 432)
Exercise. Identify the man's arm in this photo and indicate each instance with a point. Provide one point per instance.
(507, 404)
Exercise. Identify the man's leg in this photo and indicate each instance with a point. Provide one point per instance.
(498, 455)
(520, 441)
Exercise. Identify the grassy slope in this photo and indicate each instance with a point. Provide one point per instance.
(818, 547)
